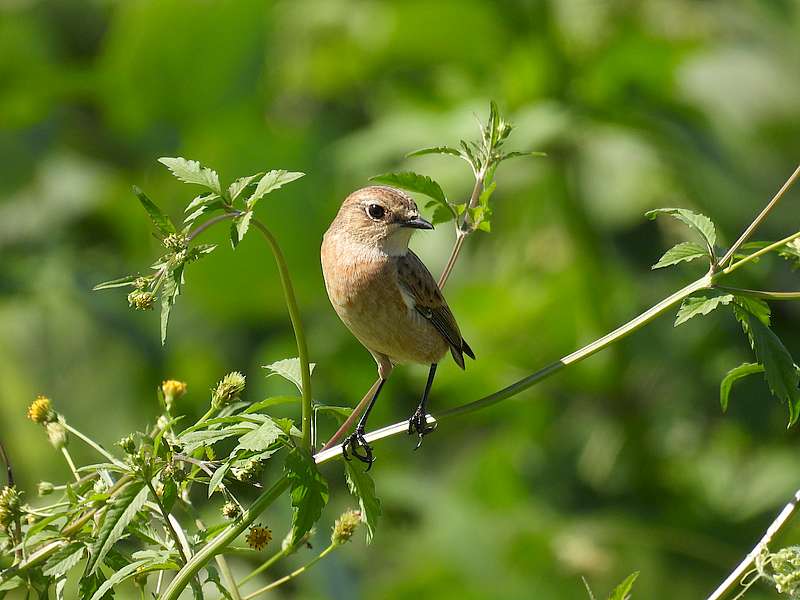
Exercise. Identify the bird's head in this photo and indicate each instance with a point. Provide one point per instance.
(380, 216)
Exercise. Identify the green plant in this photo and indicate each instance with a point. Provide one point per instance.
(133, 515)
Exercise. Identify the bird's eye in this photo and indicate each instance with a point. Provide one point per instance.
(376, 211)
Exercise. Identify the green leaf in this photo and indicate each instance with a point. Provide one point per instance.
(413, 182)
(435, 150)
(269, 402)
(119, 576)
(779, 368)
(508, 155)
(118, 515)
(201, 200)
(115, 283)
(217, 478)
(309, 492)
(700, 305)
(241, 225)
(169, 293)
(169, 494)
(261, 438)
(197, 439)
(161, 221)
(700, 223)
(683, 252)
(289, 369)
(362, 487)
(269, 183)
(212, 576)
(623, 590)
(791, 252)
(756, 306)
(64, 559)
(340, 413)
(732, 377)
(237, 187)
(191, 171)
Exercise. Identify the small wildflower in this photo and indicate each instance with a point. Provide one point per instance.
(175, 241)
(785, 565)
(290, 546)
(140, 300)
(41, 410)
(258, 537)
(128, 444)
(230, 510)
(9, 506)
(345, 527)
(141, 283)
(45, 488)
(172, 390)
(57, 434)
(228, 389)
(100, 487)
(248, 471)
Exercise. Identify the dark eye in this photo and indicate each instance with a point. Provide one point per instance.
(376, 211)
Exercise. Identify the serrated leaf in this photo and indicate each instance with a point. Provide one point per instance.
(309, 492)
(237, 187)
(780, 370)
(217, 478)
(623, 590)
(756, 306)
(119, 576)
(435, 150)
(269, 402)
(191, 171)
(118, 515)
(169, 494)
(201, 200)
(161, 221)
(683, 252)
(362, 487)
(508, 155)
(700, 305)
(64, 559)
(242, 224)
(260, 438)
(170, 290)
(115, 283)
(413, 182)
(198, 439)
(269, 183)
(732, 377)
(289, 369)
(700, 223)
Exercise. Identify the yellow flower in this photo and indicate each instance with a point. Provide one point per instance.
(172, 390)
(345, 527)
(258, 537)
(41, 411)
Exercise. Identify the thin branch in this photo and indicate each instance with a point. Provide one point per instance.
(266, 564)
(776, 526)
(761, 293)
(211, 222)
(291, 575)
(169, 525)
(90, 442)
(766, 249)
(761, 217)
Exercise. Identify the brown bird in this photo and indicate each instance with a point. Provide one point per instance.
(386, 296)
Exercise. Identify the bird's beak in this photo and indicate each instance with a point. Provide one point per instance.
(418, 223)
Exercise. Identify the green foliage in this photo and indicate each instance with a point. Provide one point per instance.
(362, 487)
(309, 492)
(120, 512)
(700, 305)
(683, 252)
(289, 369)
(621, 592)
(697, 222)
(191, 171)
(732, 377)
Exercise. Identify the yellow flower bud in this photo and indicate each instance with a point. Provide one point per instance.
(345, 527)
(172, 390)
(41, 410)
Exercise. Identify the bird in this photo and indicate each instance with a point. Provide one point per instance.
(386, 296)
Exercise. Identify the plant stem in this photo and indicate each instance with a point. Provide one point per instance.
(266, 564)
(90, 442)
(33, 560)
(201, 228)
(293, 574)
(228, 576)
(761, 217)
(776, 526)
(731, 268)
(71, 464)
(168, 523)
(225, 537)
(543, 373)
(761, 293)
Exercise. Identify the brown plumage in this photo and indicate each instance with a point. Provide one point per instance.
(383, 292)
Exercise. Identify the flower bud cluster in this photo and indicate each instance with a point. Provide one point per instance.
(228, 389)
(345, 526)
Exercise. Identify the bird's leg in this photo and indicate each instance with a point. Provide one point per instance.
(357, 438)
(418, 423)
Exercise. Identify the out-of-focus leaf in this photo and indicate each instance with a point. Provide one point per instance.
(308, 489)
(685, 251)
(700, 305)
(758, 307)
(435, 150)
(118, 514)
(413, 182)
(115, 283)
(623, 590)
(64, 559)
(191, 171)
(700, 223)
(289, 368)
(269, 183)
(161, 221)
(732, 377)
(269, 402)
(515, 154)
(119, 576)
(791, 252)
(362, 487)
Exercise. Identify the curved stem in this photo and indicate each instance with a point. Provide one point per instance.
(168, 523)
(266, 564)
(766, 249)
(761, 217)
(779, 523)
(523, 384)
(297, 326)
(211, 222)
(225, 537)
(293, 574)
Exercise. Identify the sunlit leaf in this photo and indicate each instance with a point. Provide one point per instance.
(623, 590)
(191, 171)
(700, 305)
(700, 223)
(162, 222)
(413, 182)
(289, 369)
(309, 492)
(362, 487)
(237, 187)
(683, 252)
(732, 377)
(435, 150)
(269, 183)
(120, 511)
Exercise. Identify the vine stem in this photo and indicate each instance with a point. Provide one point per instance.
(761, 252)
(266, 564)
(543, 373)
(461, 236)
(775, 527)
(225, 537)
(762, 293)
(168, 523)
(293, 574)
(761, 217)
(90, 442)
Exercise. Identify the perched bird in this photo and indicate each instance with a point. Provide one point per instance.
(386, 296)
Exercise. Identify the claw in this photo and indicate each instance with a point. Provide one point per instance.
(355, 441)
(418, 423)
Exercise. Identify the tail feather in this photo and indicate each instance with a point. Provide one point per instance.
(458, 353)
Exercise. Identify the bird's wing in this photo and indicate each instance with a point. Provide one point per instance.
(415, 279)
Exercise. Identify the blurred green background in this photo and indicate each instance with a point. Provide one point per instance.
(624, 462)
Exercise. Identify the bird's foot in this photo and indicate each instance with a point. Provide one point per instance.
(354, 442)
(418, 423)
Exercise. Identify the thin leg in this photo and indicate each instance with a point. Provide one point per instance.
(418, 423)
(357, 439)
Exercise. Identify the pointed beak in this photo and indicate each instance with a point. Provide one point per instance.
(418, 223)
